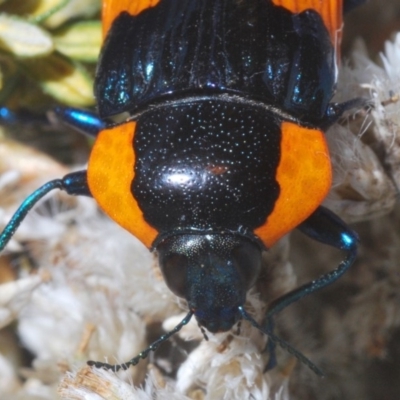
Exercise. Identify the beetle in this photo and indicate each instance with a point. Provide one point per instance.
(222, 151)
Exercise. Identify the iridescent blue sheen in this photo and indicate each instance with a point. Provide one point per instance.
(7, 116)
(24, 208)
(74, 183)
(348, 240)
(326, 227)
(83, 121)
(248, 48)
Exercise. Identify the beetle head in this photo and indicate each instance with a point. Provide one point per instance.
(212, 272)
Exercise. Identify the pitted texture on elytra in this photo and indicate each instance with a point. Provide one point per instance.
(208, 165)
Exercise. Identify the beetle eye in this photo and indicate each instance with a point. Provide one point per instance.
(174, 269)
(247, 257)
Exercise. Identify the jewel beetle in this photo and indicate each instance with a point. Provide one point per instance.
(222, 148)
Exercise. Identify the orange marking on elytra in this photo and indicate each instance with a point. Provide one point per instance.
(304, 175)
(112, 8)
(110, 175)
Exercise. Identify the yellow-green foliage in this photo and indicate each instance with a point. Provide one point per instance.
(48, 49)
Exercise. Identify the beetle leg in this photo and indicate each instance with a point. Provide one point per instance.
(336, 110)
(325, 227)
(83, 121)
(7, 116)
(271, 346)
(74, 184)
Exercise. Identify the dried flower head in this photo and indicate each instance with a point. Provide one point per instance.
(78, 287)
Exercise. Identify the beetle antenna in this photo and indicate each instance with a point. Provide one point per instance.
(285, 345)
(144, 353)
(25, 207)
(203, 331)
